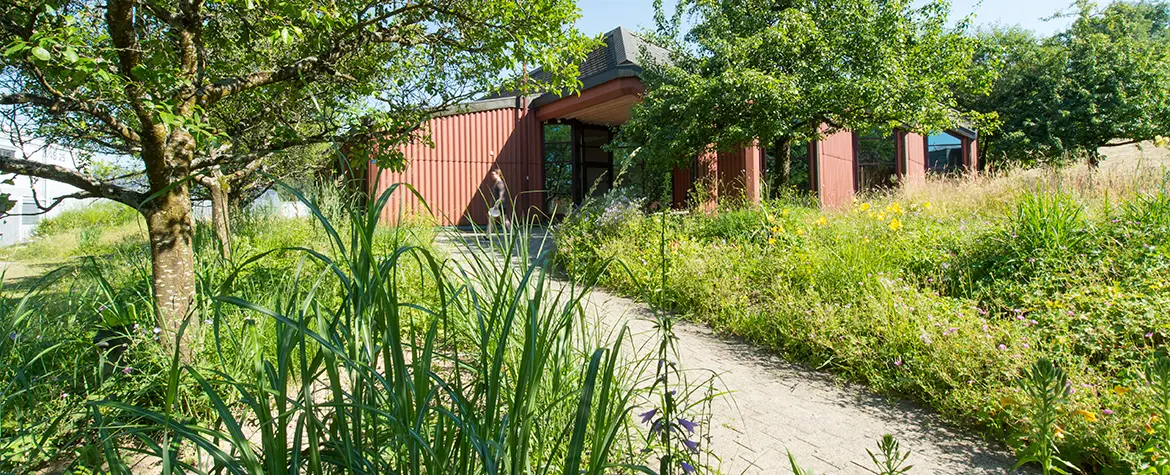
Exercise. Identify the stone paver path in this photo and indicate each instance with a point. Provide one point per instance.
(776, 407)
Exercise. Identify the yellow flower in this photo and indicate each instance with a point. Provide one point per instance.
(926, 205)
(895, 224)
(894, 208)
(1120, 391)
(1059, 433)
(771, 219)
(863, 207)
(1149, 429)
(1089, 416)
(784, 213)
(822, 221)
(777, 229)
(800, 232)
(1006, 401)
(881, 216)
(771, 241)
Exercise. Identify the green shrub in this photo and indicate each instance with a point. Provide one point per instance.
(98, 215)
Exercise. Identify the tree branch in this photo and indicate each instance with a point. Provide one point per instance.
(62, 104)
(88, 184)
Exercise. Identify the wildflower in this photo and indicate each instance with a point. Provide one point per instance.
(1107, 412)
(688, 468)
(895, 224)
(925, 338)
(688, 425)
(1025, 345)
(207, 321)
(822, 221)
(1088, 416)
(800, 232)
(127, 370)
(863, 207)
(771, 241)
(1002, 347)
(1150, 335)
(64, 395)
(926, 205)
(950, 331)
(648, 415)
(135, 327)
(12, 336)
(898, 362)
(691, 445)
(1059, 433)
(1119, 390)
(157, 330)
(771, 219)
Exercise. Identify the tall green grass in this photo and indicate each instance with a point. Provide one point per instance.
(369, 352)
(945, 294)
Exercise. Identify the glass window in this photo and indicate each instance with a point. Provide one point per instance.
(944, 153)
(876, 160)
(800, 175)
(558, 167)
(6, 153)
(29, 211)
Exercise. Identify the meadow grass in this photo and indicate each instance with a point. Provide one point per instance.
(328, 345)
(945, 291)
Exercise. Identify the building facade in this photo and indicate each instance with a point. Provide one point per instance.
(30, 195)
(551, 151)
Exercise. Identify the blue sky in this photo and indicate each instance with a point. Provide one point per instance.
(599, 16)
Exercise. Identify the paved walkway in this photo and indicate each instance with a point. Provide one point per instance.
(776, 407)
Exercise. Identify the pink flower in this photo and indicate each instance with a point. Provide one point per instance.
(1025, 345)
(1002, 347)
(1150, 335)
(1107, 412)
(898, 362)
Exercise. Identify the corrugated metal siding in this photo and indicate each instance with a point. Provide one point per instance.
(835, 170)
(915, 158)
(452, 176)
(739, 173)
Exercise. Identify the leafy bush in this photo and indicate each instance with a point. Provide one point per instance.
(100, 214)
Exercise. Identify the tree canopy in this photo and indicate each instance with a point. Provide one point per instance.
(191, 85)
(1104, 80)
(778, 71)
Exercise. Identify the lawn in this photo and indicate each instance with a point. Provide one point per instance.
(945, 292)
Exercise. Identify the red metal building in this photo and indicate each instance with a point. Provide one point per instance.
(549, 149)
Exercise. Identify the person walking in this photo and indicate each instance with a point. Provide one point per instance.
(499, 208)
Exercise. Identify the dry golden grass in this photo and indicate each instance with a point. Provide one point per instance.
(1126, 171)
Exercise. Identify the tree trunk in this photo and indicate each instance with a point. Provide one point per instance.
(783, 174)
(168, 222)
(220, 216)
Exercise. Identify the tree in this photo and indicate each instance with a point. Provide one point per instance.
(168, 83)
(797, 70)
(1104, 81)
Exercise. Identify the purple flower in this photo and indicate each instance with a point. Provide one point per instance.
(1002, 347)
(691, 445)
(648, 415)
(656, 427)
(898, 362)
(1107, 412)
(127, 370)
(1150, 335)
(1025, 345)
(688, 425)
(688, 468)
(950, 331)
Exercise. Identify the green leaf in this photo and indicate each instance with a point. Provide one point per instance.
(41, 53)
(70, 55)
